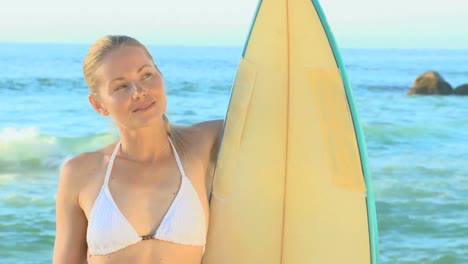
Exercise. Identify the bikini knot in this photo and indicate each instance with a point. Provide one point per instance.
(147, 237)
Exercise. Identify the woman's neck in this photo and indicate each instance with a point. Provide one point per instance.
(145, 144)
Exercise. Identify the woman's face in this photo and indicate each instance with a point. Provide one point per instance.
(130, 88)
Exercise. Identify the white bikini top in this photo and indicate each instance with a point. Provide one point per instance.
(184, 222)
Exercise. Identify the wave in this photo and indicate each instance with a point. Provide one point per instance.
(382, 88)
(28, 149)
(182, 88)
(22, 84)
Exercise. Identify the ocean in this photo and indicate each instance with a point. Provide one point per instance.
(417, 145)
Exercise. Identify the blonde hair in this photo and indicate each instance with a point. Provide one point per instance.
(96, 54)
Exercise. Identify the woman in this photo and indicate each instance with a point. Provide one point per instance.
(143, 199)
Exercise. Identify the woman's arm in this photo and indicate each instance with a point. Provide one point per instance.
(71, 223)
(216, 127)
(212, 132)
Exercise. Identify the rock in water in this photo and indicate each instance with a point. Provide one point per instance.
(461, 90)
(430, 83)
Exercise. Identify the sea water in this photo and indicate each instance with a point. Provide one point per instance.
(417, 145)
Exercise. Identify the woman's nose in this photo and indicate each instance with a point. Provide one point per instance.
(138, 90)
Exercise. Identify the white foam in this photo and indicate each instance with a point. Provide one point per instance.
(26, 147)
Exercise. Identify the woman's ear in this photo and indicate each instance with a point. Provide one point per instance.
(98, 107)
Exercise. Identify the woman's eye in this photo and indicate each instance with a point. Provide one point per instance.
(120, 87)
(147, 76)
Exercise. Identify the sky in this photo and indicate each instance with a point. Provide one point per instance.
(357, 23)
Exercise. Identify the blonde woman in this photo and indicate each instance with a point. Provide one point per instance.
(144, 198)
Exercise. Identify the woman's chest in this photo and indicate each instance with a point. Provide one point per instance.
(144, 194)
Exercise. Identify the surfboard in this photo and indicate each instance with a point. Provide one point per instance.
(291, 184)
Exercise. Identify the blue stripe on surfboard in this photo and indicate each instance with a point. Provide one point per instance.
(371, 211)
(251, 27)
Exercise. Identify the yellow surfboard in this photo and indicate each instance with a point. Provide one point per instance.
(291, 184)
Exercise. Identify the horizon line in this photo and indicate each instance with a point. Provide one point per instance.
(193, 45)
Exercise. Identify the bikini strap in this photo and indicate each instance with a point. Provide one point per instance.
(116, 150)
(111, 163)
(179, 163)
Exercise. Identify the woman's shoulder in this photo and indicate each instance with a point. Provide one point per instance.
(203, 126)
(210, 130)
(78, 170)
(212, 127)
(198, 139)
(206, 132)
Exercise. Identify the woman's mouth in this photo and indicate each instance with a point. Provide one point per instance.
(144, 107)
